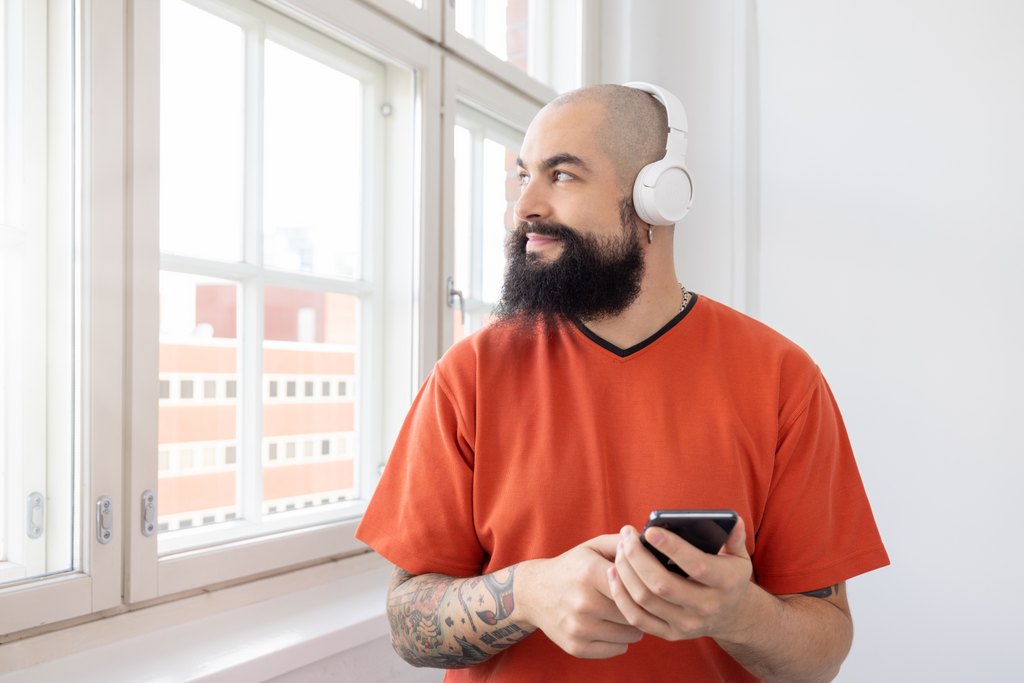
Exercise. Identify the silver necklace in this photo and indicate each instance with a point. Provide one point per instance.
(686, 297)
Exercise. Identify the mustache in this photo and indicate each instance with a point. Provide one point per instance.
(548, 229)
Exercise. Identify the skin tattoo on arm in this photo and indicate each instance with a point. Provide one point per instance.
(441, 621)
(825, 592)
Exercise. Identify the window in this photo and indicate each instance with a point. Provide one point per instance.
(290, 214)
(525, 41)
(37, 314)
(267, 263)
(483, 147)
(486, 189)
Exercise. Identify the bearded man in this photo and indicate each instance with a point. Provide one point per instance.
(605, 390)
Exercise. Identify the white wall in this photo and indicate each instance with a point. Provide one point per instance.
(687, 46)
(889, 167)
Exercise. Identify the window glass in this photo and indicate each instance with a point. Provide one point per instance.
(542, 38)
(202, 132)
(198, 362)
(310, 342)
(312, 165)
(486, 189)
(38, 348)
(260, 326)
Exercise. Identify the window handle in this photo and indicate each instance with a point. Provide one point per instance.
(456, 294)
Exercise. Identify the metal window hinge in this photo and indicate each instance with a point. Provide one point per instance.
(104, 519)
(35, 515)
(454, 294)
(148, 512)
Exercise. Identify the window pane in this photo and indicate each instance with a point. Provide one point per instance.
(202, 130)
(463, 220)
(313, 165)
(311, 338)
(540, 37)
(486, 189)
(500, 190)
(198, 433)
(37, 317)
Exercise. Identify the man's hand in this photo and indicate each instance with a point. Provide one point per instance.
(777, 638)
(568, 597)
(709, 603)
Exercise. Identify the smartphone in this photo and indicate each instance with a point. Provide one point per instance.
(703, 529)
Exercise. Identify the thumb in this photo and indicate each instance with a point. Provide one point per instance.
(736, 544)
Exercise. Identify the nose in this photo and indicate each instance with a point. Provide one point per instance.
(533, 204)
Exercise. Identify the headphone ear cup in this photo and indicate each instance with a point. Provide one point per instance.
(663, 192)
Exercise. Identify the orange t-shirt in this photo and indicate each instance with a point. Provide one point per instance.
(522, 446)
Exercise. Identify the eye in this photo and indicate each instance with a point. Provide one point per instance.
(563, 177)
(524, 178)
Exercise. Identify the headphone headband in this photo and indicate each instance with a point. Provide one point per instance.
(663, 190)
(675, 145)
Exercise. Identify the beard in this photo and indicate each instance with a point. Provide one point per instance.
(592, 278)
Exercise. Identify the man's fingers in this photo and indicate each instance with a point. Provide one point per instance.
(736, 544)
(603, 545)
(634, 613)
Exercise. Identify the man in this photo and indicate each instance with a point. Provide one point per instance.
(606, 390)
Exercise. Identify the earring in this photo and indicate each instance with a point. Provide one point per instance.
(650, 233)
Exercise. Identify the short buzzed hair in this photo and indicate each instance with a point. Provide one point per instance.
(634, 129)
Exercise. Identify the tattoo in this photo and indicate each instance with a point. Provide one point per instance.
(494, 637)
(465, 608)
(501, 591)
(428, 627)
(824, 592)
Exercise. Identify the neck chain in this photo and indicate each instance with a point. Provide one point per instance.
(686, 297)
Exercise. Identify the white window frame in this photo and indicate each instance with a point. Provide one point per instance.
(401, 289)
(508, 112)
(95, 582)
(118, 359)
(253, 280)
(423, 17)
(474, 53)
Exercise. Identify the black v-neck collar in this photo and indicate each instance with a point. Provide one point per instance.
(622, 353)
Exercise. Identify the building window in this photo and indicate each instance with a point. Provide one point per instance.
(299, 215)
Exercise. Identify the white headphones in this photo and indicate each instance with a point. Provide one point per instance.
(663, 190)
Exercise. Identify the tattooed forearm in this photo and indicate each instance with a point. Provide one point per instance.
(441, 621)
(825, 592)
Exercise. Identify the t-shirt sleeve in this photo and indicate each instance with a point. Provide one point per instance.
(421, 515)
(817, 529)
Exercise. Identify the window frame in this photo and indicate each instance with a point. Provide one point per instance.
(474, 53)
(118, 281)
(486, 97)
(151, 575)
(94, 583)
(425, 19)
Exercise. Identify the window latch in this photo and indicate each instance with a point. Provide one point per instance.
(34, 515)
(148, 512)
(104, 519)
(456, 294)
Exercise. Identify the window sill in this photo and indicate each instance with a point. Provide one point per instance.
(243, 633)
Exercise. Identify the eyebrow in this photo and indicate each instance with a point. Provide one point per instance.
(561, 159)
